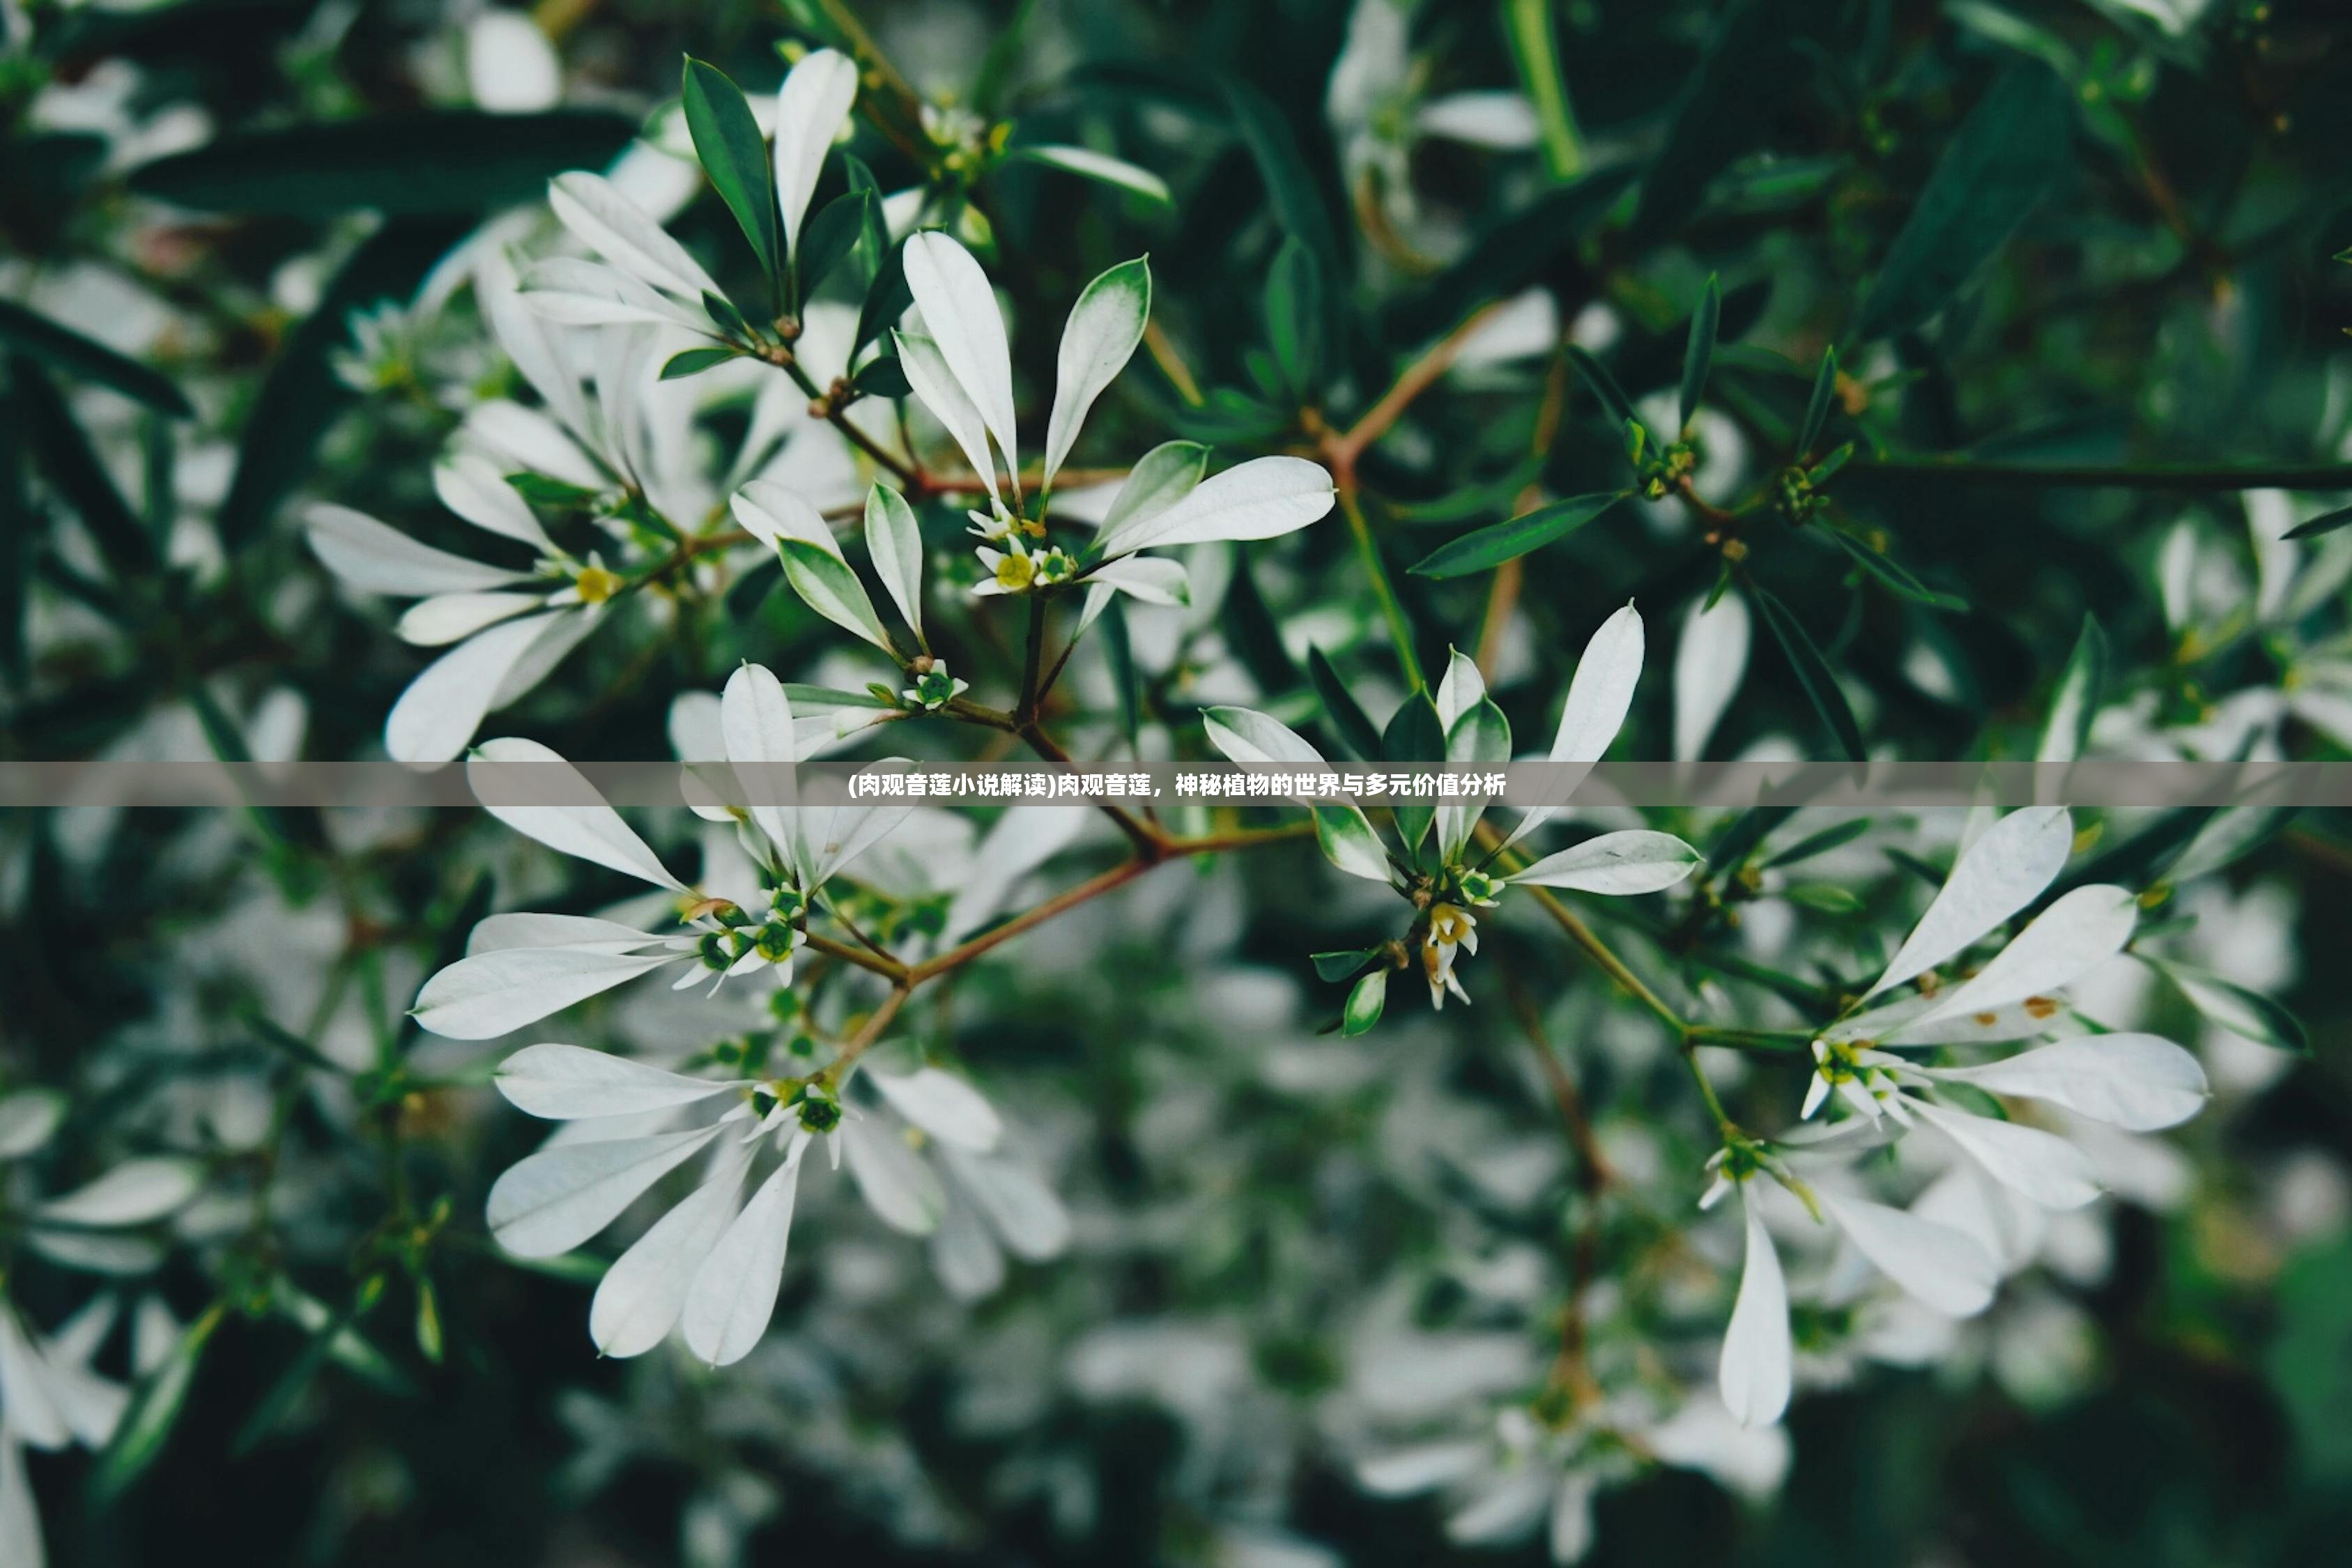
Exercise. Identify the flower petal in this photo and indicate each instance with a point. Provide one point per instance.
(1754, 1374)
(638, 1301)
(368, 555)
(734, 1292)
(1261, 499)
(960, 314)
(2138, 1082)
(621, 232)
(1099, 338)
(554, 1200)
(814, 99)
(2001, 874)
(2035, 1165)
(943, 1105)
(2074, 936)
(590, 830)
(1633, 861)
(567, 1082)
(496, 992)
(1935, 1265)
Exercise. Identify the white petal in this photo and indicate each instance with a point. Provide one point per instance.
(937, 389)
(28, 1118)
(1711, 661)
(895, 1181)
(960, 314)
(1021, 1209)
(494, 994)
(814, 99)
(593, 833)
(619, 230)
(527, 438)
(1935, 1265)
(32, 1408)
(756, 717)
(1153, 579)
(895, 540)
(1425, 1467)
(446, 702)
(1096, 165)
(565, 1082)
(1099, 338)
(472, 486)
(1462, 689)
(638, 1301)
(1499, 120)
(1261, 499)
(134, 1193)
(367, 555)
(558, 1198)
(1022, 839)
(964, 1255)
(1503, 1507)
(530, 929)
(1633, 861)
(1160, 478)
(445, 618)
(942, 1105)
(2138, 1082)
(734, 1292)
(1248, 736)
(770, 513)
(20, 1520)
(2001, 874)
(576, 293)
(1570, 1531)
(1755, 1373)
(2037, 1165)
(526, 337)
(1602, 690)
(2081, 931)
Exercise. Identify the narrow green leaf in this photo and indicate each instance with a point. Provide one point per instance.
(882, 377)
(1814, 674)
(1724, 109)
(21, 527)
(154, 1409)
(1416, 734)
(76, 355)
(66, 458)
(831, 236)
(1823, 898)
(432, 161)
(1603, 384)
(1349, 721)
(1338, 966)
(2325, 523)
(1294, 316)
(1738, 841)
(1888, 572)
(1698, 349)
(278, 1039)
(2004, 157)
(1513, 253)
(1817, 406)
(1120, 650)
(886, 300)
(1255, 636)
(296, 1378)
(2081, 688)
(694, 361)
(1535, 51)
(1489, 547)
(1290, 185)
(2245, 1013)
(727, 141)
(824, 581)
(1820, 843)
(227, 741)
(1365, 1002)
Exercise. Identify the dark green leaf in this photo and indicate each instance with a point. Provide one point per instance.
(1365, 1002)
(1518, 252)
(1724, 109)
(883, 376)
(1337, 966)
(227, 741)
(1603, 384)
(154, 1409)
(302, 395)
(66, 458)
(1736, 842)
(1479, 499)
(20, 530)
(1698, 349)
(433, 161)
(727, 141)
(1817, 406)
(1255, 636)
(1120, 651)
(1490, 547)
(886, 301)
(694, 361)
(1888, 572)
(2325, 523)
(1996, 168)
(2081, 688)
(1290, 185)
(1349, 721)
(1294, 316)
(280, 1038)
(76, 355)
(1820, 843)
(726, 317)
(835, 230)
(1814, 674)
(1415, 734)
(296, 1379)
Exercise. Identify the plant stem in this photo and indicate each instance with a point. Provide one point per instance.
(1369, 552)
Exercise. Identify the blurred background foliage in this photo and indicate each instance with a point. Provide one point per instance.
(2144, 320)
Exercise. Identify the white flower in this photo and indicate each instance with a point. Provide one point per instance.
(519, 968)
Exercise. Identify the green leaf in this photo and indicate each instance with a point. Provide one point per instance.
(1897, 580)
(831, 236)
(1698, 349)
(63, 453)
(1349, 721)
(302, 397)
(1814, 674)
(1518, 252)
(882, 377)
(1998, 164)
(433, 161)
(1255, 636)
(727, 141)
(1535, 52)
(1603, 384)
(154, 1409)
(2325, 523)
(1724, 109)
(1736, 842)
(694, 361)
(227, 741)
(20, 532)
(1820, 843)
(280, 1038)
(1416, 734)
(299, 1374)
(824, 581)
(69, 352)
(1120, 650)
(1490, 547)
(1817, 406)
(1290, 186)
(1365, 1002)
(1824, 898)
(886, 300)
(2247, 1013)
(1338, 966)
(1294, 316)
(2081, 688)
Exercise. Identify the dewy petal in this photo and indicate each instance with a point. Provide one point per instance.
(960, 315)
(368, 555)
(1099, 338)
(2068, 941)
(2038, 1165)
(1934, 1263)
(1633, 861)
(2140, 1083)
(942, 1105)
(565, 1082)
(553, 1201)
(898, 1186)
(593, 833)
(445, 618)
(1261, 499)
(2001, 873)
(496, 992)
(814, 99)
(638, 1301)
(621, 232)
(734, 1292)
(1755, 1373)
(1021, 1208)
(1711, 661)
(448, 702)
